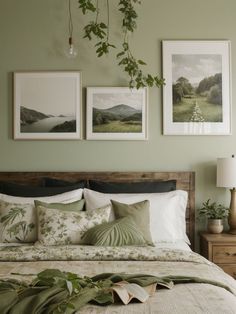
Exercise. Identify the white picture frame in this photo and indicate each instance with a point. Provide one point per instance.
(116, 113)
(47, 105)
(197, 93)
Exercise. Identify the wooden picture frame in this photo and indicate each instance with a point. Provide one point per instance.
(47, 105)
(197, 94)
(116, 113)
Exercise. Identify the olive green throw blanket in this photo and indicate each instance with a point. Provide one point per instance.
(53, 291)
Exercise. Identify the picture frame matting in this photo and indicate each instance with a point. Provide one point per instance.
(197, 94)
(116, 113)
(47, 105)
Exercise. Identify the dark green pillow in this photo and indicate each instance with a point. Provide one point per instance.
(140, 214)
(153, 186)
(74, 206)
(22, 190)
(120, 232)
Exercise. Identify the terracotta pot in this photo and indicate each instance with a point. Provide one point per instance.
(215, 225)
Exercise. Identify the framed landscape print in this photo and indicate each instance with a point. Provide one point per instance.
(197, 94)
(116, 113)
(47, 105)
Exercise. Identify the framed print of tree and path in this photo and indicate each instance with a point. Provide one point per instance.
(197, 96)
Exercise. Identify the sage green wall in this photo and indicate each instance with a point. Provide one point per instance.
(32, 36)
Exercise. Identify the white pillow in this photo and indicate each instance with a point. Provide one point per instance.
(167, 211)
(67, 197)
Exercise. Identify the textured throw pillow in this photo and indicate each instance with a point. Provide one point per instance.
(58, 227)
(133, 187)
(167, 211)
(17, 222)
(74, 206)
(139, 213)
(120, 232)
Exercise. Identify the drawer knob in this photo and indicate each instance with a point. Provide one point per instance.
(230, 254)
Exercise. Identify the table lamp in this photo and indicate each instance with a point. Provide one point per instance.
(226, 177)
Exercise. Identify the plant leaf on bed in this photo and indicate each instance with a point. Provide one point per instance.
(49, 292)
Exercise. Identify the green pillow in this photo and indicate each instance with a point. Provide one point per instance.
(74, 206)
(120, 232)
(140, 214)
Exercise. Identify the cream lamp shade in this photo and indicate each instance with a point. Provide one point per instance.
(226, 172)
(226, 177)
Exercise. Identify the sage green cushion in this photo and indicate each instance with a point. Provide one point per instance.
(140, 214)
(120, 232)
(74, 206)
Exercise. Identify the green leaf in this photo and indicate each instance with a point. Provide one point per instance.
(103, 25)
(129, 64)
(50, 273)
(141, 62)
(70, 306)
(120, 54)
(125, 46)
(104, 298)
(86, 5)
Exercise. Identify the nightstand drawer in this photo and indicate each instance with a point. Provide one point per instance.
(224, 254)
(229, 269)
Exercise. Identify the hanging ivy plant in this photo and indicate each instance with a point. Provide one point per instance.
(99, 30)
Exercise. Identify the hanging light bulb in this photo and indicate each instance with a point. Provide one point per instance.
(71, 51)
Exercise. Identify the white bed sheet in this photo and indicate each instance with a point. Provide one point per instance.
(178, 245)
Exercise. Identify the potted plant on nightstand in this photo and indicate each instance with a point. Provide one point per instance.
(215, 213)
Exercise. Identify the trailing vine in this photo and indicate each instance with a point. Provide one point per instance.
(99, 30)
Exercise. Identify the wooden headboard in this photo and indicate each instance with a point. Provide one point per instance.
(184, 180)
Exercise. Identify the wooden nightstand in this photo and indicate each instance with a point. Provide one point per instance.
(221, 250)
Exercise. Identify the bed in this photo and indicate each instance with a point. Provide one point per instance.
(212, 292)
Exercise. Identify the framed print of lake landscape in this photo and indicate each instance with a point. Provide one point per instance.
(47, 105)
(197, 94)
(116, 113)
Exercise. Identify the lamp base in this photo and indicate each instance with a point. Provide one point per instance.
(232, 212)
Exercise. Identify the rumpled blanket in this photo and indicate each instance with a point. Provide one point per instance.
(53, 291)
(188, 298)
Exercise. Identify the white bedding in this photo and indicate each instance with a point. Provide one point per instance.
(178, 245)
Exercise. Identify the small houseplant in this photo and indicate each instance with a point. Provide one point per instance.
(215, 213)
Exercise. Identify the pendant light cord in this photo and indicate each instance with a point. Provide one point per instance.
(70, 19)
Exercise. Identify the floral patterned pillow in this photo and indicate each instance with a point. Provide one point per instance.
(58, 227)
(17, 222)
